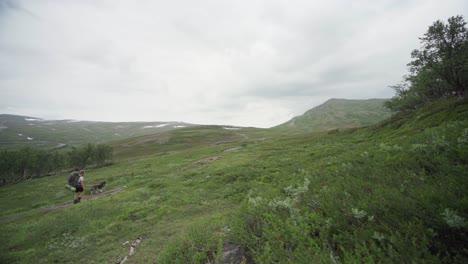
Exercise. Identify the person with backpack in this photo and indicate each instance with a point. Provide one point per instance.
(76, 179)
(72, 180)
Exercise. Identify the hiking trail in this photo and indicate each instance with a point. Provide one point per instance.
(64, 205)
(84, 199)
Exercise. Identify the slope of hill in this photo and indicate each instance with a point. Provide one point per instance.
(391, 193)
(20, 131)
(339, 113)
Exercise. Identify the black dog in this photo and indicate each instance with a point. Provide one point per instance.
(98, 187)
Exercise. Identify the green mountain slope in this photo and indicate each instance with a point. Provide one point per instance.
(339, 113)
(21, 131)
(390, 193)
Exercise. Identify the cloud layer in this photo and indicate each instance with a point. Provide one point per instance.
(250, 63)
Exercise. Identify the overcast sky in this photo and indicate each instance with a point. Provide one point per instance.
(247, 63)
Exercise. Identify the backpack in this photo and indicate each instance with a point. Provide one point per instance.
(73, 179)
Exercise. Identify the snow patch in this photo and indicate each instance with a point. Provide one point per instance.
(32, 119)
(178, 126)
(20, 135)
(30, 138)
(156, 126)
(116, 134)
(232, 128)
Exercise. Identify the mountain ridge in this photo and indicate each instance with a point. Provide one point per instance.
(27, 131)
(339, 113)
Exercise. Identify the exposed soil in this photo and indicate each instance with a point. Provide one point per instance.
(66, 204)
(206, 160)
(232, 149)
(8, 220)
(84, 199)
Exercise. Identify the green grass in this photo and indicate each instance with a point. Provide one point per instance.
(50, 134)
(378, 194)
(338, 113)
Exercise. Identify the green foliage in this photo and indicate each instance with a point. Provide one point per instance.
(27, 163)
(444, 52)
(199, 244)
(61, 134)
(90, 154)
(278, 231)
(438, 70)
(452, 219)
(392, 193)
(79, 157)
(381, 204)
(102, 153)
(337, 114)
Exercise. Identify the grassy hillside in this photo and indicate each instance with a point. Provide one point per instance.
(339, 113)
(21, 131)
(394, 192)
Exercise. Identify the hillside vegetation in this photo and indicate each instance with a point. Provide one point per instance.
(395, 192)
(35, 157)
(339, 113)
(22, 131)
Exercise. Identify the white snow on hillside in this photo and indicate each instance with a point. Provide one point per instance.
(178, 126)
(30, 138)
(232, 128)
(156, 126)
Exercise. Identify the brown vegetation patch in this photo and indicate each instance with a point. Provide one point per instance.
(206, 160)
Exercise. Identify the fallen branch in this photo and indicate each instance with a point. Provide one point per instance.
(132, 249)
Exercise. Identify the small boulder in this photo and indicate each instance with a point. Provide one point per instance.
(233, 254)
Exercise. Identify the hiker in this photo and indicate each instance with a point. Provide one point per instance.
(73, 178)
(80, 189)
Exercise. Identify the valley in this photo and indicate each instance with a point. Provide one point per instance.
(392, 191)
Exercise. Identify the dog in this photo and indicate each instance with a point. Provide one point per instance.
(98, 187)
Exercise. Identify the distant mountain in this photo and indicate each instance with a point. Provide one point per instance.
(21, 131)
(339, 113)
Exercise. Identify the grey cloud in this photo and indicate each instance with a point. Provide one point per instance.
(7, 6)
(11, 6)
(232, 62)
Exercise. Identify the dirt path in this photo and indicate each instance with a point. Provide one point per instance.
(85, 198)
(65, 205)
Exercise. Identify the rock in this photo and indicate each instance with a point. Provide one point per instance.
(232, 149)
(233, 254)
(206, 160)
